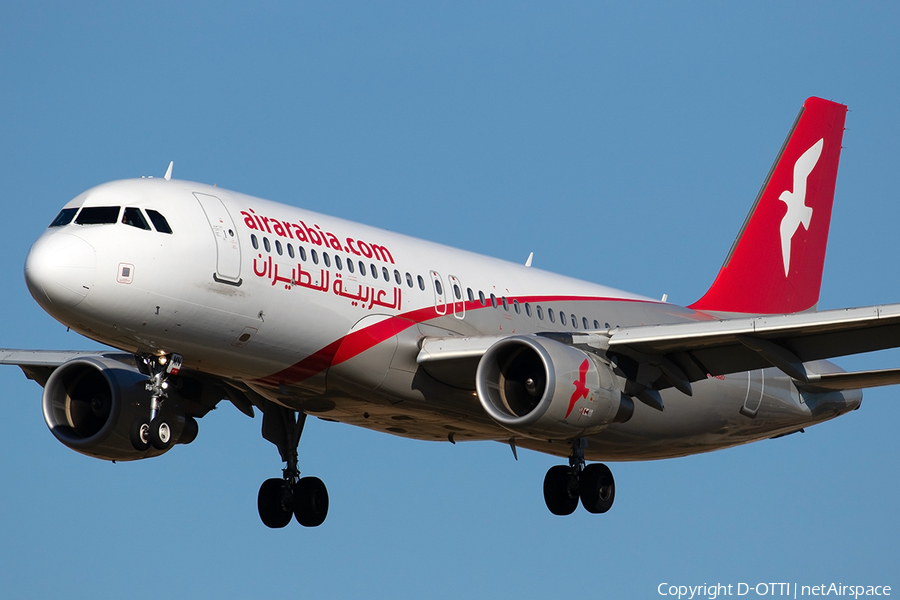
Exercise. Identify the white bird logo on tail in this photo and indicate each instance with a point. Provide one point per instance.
(797, 211)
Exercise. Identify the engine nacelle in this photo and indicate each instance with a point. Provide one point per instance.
(543, 389)
(90, 403)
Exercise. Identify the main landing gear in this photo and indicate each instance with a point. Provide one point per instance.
(304, 498)
(593, 484)
(155, 431)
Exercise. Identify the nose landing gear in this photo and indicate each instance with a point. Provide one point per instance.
(593, 484)
(304, 498)
(155, 431)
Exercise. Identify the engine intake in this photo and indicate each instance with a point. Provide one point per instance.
(89, 404)
(541, 388)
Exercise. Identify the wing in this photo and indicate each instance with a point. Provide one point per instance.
(783, 341)
(39, 364)
(692, 351)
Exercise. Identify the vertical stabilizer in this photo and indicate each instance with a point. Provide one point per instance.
(775, 265)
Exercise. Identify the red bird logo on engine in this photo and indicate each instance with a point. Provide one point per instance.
(581, 390)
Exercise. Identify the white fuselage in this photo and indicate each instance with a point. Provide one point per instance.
(326, 316)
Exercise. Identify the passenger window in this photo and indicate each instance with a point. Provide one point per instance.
(314, 255)
(409, 280)
(527, 309)
(350, 265)
(302, 252)
(254, 241)
(421, 283)
(481, 298)
(438, 288)
(327, 259)
(132, 216)
(584, 322)
(337, 262)
(470, 294)
(397, 277)
(373, 270)
(456, 292)
(550, 314)
(574, 322)
(278, 248)
(64, 217)
(596, 324)
(494, 301)
(516, 306)
(267, 245)
(98, 215)
(290, 250)
(159, 221)
(385, 274)
(540, 312)
(505, 305)
(362, 268)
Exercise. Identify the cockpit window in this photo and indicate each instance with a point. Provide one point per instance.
(64, 217)
(132, 216)
(159, 221)
(98, 215)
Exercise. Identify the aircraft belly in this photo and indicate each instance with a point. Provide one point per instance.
(715, 417)
(404, 400)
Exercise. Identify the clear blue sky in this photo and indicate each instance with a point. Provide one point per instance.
(621, 145)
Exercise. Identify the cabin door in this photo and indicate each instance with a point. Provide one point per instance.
(228, 247)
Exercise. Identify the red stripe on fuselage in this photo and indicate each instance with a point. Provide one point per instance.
(356, 342)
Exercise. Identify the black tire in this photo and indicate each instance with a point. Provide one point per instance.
(273, 505)
(140, 434)
(190, 431)
(556, 491)
(160, 433)
(310, 502)
(597, 488)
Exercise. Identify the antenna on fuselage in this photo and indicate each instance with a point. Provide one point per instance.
(528, 262)
(168, 174)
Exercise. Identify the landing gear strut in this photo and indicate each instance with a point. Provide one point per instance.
(593, 484)
(304, 498)
(155, 430)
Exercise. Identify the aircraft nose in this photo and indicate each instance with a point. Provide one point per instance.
(60, 269)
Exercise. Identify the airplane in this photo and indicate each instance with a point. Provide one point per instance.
(207, 295)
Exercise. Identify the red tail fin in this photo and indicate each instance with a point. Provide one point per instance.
(775, 264)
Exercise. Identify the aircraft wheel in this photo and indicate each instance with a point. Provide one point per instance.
(597, 488)
(273, 510)
(160, 433)
(310, 501)
(140, 434)
(190, 431)
(556, 491)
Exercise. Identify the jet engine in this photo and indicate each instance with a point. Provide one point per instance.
(540, 388)
(90, 403)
